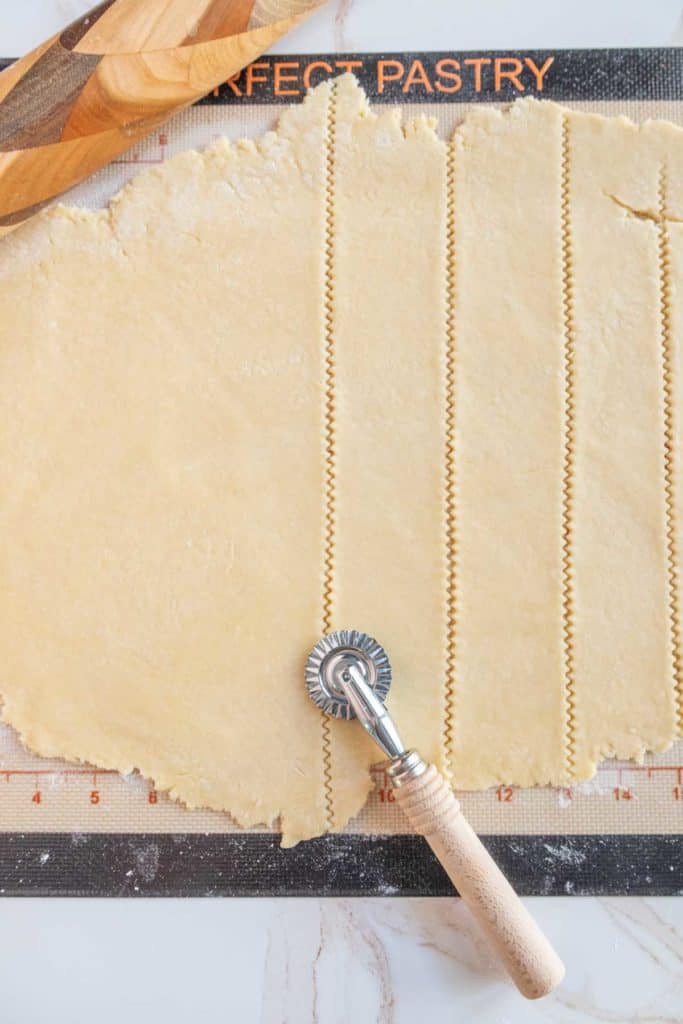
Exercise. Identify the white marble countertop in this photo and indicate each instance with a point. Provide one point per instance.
(281, 961)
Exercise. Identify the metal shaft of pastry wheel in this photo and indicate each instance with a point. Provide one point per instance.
(348, 675)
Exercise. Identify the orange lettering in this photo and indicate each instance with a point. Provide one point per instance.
(512, 74)
(417, 76)
(348, 65)
(539, 73)
(280, 76)
(442, 71)
(253, 78)
(232, 84)
(477, 63)
(383, 72)
(313, 66)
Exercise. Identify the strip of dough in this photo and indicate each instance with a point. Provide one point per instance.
(509, 718)
(389, 251)
(622, 639)
(668, 140)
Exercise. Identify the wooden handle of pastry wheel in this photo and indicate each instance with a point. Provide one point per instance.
(114, 75)
(433, 811)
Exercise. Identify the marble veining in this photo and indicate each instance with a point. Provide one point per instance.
(386, 960)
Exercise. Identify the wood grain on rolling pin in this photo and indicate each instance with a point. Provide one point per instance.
(92, 91)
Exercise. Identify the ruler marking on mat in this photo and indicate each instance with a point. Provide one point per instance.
(648, 784)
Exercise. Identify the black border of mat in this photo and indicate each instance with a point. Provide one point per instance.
(617, 74)
(614, 74)
(253, 864)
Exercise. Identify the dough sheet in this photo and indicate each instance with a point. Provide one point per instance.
(354, 375)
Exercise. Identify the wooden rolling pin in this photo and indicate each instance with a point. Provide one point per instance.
(92, 91)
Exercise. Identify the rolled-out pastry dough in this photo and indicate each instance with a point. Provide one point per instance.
(350, 375)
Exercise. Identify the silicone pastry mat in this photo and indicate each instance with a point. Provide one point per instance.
(70, 829)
